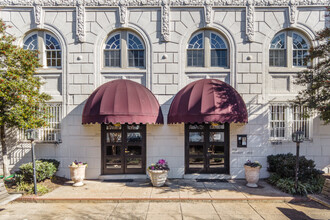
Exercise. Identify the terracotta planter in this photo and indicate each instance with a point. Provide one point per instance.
(77, 175)
(252, 176)
(158, 177)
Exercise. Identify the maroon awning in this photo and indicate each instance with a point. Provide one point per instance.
(207, 100)
(122, 101)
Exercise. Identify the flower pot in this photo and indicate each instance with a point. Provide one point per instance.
(158, 177)
(77, 174)
(252, 176)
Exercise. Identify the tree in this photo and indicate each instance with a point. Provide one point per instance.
(316, 96)
(22, 105)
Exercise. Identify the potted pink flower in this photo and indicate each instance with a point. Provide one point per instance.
(158, 173)
(77, 172)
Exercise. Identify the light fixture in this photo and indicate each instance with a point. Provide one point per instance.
(298, 136)
(31, 134)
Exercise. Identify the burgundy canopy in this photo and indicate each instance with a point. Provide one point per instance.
(207, 100)
(122, 101)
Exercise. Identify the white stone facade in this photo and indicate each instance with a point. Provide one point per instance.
(166, 27)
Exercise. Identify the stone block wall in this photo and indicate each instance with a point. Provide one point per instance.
(165, 28)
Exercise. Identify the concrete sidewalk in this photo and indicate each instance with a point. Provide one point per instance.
(174, 190)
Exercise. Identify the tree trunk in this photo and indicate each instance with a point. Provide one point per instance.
(5, 160)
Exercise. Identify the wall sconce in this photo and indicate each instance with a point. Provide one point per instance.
(241, 140)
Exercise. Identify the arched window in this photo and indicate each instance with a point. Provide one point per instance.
(124, 49)
(287, 49)
(207, 49)
(50, 52)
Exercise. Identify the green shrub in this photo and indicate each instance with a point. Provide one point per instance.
(282, 168)
(285, 164)
(44, 170)
(53, 161)
(29, 188)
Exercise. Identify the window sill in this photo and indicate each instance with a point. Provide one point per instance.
(286, 141)
(123, 70)
(286, 70)
(207, 69)
(49, 70)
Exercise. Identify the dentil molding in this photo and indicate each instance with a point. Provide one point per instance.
(165, 6)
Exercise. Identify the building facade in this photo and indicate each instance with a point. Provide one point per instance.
(254, 47)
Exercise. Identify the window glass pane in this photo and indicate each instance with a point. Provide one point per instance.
(217, 163)
(195, 58)
(113, 163)
(113, 42)
(217, 137)
(196, 162)
(217, 42)
(196, 42)
(196, 136)
(195, 149)
(134, 42)
(298, 42)
(113, 127)
(277, 57)
(113, 137)
(113, 150)
(219, 57)
(136, 58)
(196, 126)
(133, 127)
(134, 137)
(134, 163)
(31, 43)
(52, 43)
(217, 126)
(216, 150)
(133, 150)
(278, 42)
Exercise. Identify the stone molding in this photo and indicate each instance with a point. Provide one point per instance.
(165, 10)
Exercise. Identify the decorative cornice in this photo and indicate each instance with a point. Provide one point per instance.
(250, 21)
(158, 3)
(80, 21)
(165, 11)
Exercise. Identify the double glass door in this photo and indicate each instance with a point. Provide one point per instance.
(123, 149)
(207, 148)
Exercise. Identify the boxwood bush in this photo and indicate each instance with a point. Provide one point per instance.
(45, 169)
(282, 169)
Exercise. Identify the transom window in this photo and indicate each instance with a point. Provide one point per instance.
(49, 47)
(124, 49)
(288, 49)
(285, 119)
(207, 49)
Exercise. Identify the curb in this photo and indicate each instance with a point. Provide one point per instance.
(126, 200)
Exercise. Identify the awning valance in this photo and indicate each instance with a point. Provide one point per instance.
(207, 100)
(122, 101)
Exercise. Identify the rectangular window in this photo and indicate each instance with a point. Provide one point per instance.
(112, 58)
(51, 133)
(195, 58)
(219, 57)
(136, 58)
(277, 57)
(286, 119)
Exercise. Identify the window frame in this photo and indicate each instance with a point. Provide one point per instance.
(207, 50)
(124, 56)
(288, 67)
(290, 122)
(42, 55)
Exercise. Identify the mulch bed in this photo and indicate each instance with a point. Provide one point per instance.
(51, 184)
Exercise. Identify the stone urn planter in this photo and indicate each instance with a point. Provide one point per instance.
(77, 173)
(158, 177)
(158, 173)
(252, 170)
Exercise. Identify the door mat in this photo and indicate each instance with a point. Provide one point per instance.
(212, 180)
(119, 181)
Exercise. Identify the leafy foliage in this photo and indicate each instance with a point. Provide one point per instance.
(29, 188)
(160, 165)
(44, 170)
(317, 79)
(253, 164)
(22, 105)
(282, 168)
